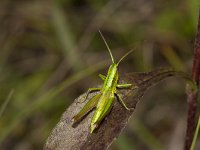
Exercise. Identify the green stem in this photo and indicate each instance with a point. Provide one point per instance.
(195, 135)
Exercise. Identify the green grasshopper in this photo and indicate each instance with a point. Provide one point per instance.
(103, 101)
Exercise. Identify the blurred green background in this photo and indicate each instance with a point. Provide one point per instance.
(51, 52)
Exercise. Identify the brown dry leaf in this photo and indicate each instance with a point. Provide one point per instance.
(66, 136)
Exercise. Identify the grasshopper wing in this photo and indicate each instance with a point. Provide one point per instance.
(103, 108)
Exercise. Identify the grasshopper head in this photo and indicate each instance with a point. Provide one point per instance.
(113, 67)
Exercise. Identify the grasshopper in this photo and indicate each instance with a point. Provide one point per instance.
(103, 101)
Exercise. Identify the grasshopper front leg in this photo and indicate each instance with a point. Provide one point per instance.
(102, 77)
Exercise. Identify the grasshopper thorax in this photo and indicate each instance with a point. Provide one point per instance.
(112, 77)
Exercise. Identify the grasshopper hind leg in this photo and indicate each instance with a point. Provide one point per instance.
(122, 102)
(92, 103)
(90, 90)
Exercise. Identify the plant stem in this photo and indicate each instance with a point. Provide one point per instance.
(192, 95)
(195, 135)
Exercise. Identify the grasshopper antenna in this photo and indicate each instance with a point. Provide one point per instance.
(125, 55)
(107, 46)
